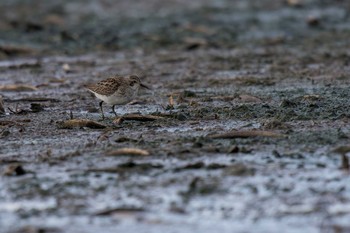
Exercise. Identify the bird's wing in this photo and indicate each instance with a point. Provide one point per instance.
(105, 87)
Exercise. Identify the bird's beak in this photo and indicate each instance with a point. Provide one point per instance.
(144, 86)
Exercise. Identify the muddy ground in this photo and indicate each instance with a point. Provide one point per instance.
(275, 73)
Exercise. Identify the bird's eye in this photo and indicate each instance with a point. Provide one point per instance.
(132, 83)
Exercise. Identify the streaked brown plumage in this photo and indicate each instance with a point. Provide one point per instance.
(117, 90)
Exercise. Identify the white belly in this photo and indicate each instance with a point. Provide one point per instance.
(115, 99)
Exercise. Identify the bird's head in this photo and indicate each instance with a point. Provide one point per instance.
(135, 82)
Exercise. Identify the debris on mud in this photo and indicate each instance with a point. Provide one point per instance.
(35, 107)
(128, 151)
(66, 67)
(124, 139)
(12, 50)
(34, 99)
(342, 151)
(274, 124)
(4, 133)
(171, 103)
(313, 20)
(239, 170)
(14, 170)
(2, 108)
(120, 211)
(199, 165)
(345, 162)
(199, 186)
(36, 229)
(239, 149)
(17, 87)
(248, 99)
(129, 166)
(18, 111)
(136, 117)
(69, 124)
(246, 134)
(17, 123)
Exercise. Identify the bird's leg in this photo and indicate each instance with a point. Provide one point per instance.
(103, 116)
(113, 110)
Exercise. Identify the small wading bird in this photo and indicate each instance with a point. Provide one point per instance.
(117, 90)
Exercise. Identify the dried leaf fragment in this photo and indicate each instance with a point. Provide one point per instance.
(136, 117)
(171, 101)
(312, 97)
(34, 99)
(7, 123)
(239, 170)
(15, 50)
(2, 109)
(294, 3)
(248, 99)
(246, 134)
(120, 210)
(68, 124)
(118, 120)
(17, 87)
(128, 151)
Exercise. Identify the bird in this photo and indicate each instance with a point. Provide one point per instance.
(116, 90)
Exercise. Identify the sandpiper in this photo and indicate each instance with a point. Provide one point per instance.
(117, 90)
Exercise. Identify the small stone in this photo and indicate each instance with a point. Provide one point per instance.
(4, 133)
(313, 21)
(233, 149)
(66, 67)
(239, 170)
(35, 107)
(181, 117)
(14, 170)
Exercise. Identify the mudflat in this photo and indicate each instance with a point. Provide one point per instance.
(246, 128)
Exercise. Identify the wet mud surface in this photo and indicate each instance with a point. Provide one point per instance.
(248, 102)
